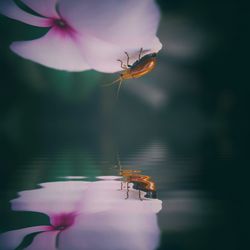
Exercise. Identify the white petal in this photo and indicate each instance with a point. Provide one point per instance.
(127, 23)
(55, 49)
(10, 240)
(11, 10)
(102, 56)
(43, 7)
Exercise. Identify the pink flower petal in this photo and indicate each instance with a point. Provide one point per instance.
(66, 186)
(109, 230)
(102, 56)
(11, 10)
(54, 198)
(42, 241)
(56, 49)
(109, 177)
(107, 195)
(43, 7)
(63, 220)
(128, 23)
(10, 240)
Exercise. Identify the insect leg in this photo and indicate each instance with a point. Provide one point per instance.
(127, 191)
(127, 59)
(140, 195)
(122, 65)
(140, 53)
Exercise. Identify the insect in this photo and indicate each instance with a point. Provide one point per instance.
(140, 182)
(139, 68)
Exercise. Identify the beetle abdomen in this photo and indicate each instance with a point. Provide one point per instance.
(143, 68)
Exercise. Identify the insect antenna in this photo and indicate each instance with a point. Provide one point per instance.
(119, 85)
(115, 81)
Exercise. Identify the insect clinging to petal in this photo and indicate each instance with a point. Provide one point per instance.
(139, 68)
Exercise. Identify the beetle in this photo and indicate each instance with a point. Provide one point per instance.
(139, 68)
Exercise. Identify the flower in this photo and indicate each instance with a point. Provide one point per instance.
(81, 212)
(86, 34)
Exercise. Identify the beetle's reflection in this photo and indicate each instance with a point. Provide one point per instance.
(89, 215)
(140, 182)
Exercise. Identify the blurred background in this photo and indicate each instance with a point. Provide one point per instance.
(185, 124)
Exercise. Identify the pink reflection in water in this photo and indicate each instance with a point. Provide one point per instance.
(87, 215)
(63, 221)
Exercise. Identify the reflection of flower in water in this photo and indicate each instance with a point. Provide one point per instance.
(87, 215)
(86, 34)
